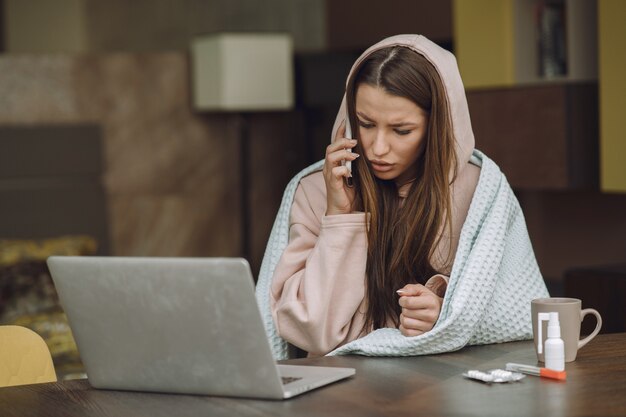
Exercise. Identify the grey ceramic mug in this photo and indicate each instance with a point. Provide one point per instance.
(570, 317)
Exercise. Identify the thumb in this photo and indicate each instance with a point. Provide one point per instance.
(411, 290)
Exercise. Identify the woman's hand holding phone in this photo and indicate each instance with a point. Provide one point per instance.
(339, 196)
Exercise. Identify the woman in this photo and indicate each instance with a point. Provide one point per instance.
(372, 247)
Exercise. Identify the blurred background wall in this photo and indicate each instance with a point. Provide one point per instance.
(170, 175)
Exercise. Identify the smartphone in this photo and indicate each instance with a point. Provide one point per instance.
(345, 163)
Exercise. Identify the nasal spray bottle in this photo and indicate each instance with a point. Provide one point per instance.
(554, 346)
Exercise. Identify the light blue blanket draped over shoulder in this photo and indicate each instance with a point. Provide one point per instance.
(494, 277)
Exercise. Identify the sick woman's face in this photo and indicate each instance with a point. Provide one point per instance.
(392, 131)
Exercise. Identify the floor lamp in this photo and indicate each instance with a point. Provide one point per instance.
(242, 73)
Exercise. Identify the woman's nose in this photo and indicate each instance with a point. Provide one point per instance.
(381, 145)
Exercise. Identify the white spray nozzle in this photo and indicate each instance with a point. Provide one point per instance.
(554, 329)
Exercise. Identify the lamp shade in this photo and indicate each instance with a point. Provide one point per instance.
(242, 72)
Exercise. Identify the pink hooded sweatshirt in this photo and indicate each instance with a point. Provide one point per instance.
(318, 288)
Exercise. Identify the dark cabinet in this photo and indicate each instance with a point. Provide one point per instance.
(542, 136)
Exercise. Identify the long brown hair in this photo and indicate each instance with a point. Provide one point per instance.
(402, 237)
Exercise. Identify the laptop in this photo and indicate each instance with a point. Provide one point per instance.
(175, 325)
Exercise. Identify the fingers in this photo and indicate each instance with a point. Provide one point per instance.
(418, 302)
(420, 309)
(335, 154)
(413, 327)
(411, 290)
(424, 307)
(417, 296)
(339, 196)
(426, 315)
(341, 148)
(409, 332)
(340, 172)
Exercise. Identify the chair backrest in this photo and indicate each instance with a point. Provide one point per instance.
(24, 357)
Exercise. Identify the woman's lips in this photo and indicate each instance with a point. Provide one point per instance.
(381, 166)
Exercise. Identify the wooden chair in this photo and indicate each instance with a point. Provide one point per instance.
(24, 357)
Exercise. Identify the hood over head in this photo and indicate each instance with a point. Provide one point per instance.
(445, 64)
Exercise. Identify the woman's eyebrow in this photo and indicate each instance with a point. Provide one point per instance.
(364, 116)
(404, 124)
(396, 125)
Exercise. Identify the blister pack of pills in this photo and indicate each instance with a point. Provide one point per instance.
(494, 375)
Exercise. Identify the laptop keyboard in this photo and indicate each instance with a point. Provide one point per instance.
(288, 379)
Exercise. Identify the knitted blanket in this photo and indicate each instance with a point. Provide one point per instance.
(494, 277)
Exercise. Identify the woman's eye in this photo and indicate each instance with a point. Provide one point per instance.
(402, 132)
(365, 125)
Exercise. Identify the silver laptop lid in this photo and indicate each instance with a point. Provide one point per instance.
(182, 325)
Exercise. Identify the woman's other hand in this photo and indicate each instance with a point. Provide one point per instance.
(420, 309)
(339, 196)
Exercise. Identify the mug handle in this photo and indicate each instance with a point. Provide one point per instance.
(593, 334)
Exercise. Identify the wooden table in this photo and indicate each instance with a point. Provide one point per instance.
(427, 385)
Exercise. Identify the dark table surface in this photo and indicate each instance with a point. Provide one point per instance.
(424, 385)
